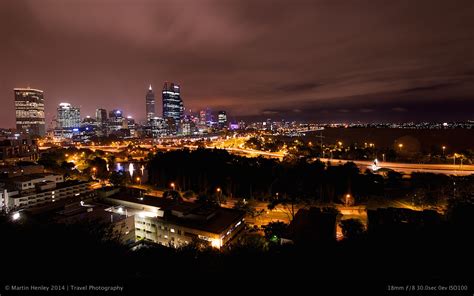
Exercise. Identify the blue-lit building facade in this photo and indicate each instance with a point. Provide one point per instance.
(173, 107)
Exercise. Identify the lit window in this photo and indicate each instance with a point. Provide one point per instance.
(172, 230)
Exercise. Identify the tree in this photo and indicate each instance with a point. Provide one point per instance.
(52, 159)
(275, 230)
(98, 167)
(207, 199)
(188, 194)
(352, 229)
(173, 194)
(289, 205)
(118, 178)
(248, 208)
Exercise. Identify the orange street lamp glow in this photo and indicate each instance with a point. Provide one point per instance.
(172, 185)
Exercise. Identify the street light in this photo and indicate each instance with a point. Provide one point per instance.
(219, 194)
(139, 180)
(400, 146)
(173, 185)
(444, 148)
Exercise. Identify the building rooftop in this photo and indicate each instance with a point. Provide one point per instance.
(26, 178)
(60, 185)
(91, 212)
(187, 214)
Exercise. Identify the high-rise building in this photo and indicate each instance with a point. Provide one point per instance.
(68, 120)
(173, 107)
(101, 121)
(159, 127)
(101, 116)
(116, 120)
(130, 126)
(29, 109)
(222, 119)
(150, 104)
(202, 118)
(68, 117)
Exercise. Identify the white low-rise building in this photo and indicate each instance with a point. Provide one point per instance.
(40, 189)
(174, 224)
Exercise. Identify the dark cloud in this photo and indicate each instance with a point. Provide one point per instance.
(244, 56)
(429, 87)
(298, 87)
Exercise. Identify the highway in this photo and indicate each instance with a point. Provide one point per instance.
(408, 168)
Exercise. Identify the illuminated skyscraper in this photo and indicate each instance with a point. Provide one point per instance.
(69, 117)
(116, 120)
(222, 119)
(68, 120)
(150, 104)
(29, 109)
(101, 121)
(101, 116)
(172, 104)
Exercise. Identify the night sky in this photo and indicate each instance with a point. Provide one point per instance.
(311, 60)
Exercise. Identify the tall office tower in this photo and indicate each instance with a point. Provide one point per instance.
(101, 116)
(68, 120)
(116, 120)
(150, 104)
(172, 104)
(159, 128)
(68, 117)
(202, 117)
(29, 109)
(101, 121)
(222, 119)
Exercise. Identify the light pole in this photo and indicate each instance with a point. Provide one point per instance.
(454, 190)
(400, 146)
(383, 157)
(173, 185)
(444, 148)
(219, 194)
(139, 180)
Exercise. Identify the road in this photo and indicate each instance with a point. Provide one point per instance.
(447, 169)
(408, 168)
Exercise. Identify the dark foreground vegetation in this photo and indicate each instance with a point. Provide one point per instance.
(82, 252)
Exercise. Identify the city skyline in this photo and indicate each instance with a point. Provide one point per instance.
(314, 61)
